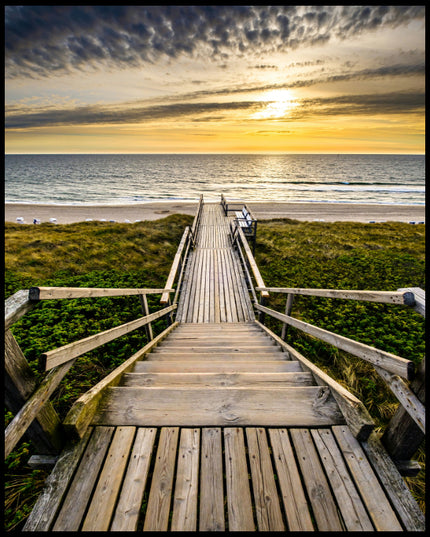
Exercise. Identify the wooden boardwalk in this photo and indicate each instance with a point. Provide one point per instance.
(218, 429)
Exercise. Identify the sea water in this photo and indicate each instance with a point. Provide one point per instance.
(131, 179)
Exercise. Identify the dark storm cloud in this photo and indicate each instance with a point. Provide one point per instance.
(41, 41)
(388, 103)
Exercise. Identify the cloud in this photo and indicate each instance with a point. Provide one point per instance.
(41, 41)
(27, 117)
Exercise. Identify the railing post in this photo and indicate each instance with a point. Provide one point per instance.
(145, 310)
(20, 383)
(288, 308)
(403, 437)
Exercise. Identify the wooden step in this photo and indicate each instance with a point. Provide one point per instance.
(228, 349)
(307, 406)
(263, 380)
(211, 341)
(213, 366)
(218, 356)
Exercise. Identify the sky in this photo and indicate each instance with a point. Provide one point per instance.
(215, 79)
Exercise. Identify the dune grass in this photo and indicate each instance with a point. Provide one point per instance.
(289, 254)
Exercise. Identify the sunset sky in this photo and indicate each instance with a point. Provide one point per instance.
(214, 79)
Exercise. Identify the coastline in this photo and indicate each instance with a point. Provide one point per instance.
(262, 210)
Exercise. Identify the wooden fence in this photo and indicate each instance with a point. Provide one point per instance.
(406, 430)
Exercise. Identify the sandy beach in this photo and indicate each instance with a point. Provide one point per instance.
(328, 212)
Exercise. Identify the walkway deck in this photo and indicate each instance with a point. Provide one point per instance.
(216, 429)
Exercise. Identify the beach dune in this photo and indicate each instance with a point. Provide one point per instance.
(328, 212)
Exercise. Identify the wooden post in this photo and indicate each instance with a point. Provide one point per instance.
(403, 437)
(145, 309)
(20, 383)
(288, 308)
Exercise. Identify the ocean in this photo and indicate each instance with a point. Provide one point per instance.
(132, 179)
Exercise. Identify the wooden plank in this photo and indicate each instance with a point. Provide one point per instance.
(16, 306)
(355, 413)
(22, 420)
(126, 516)
(239, 503)
(103, 501)
(289, 406)
(229, 355)
(49, 293)
(323, 504)
(63, 354)
(174, 268)
(49, 500)
(211, 515)
(379, 508)
(268, 510)
(419, 296)
(390, 362)
(348, 499)
(80, 415)
(73, 509)
(293, 496)
(218, 379)
(387, 297)
(406, 397)
(157, 512)
(184, 517)
(20, 382)
(212, 366)
(258, 279)
(395, 486)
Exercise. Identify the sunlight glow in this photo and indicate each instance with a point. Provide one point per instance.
(279, 104)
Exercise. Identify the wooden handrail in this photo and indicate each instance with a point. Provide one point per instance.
(395, 364)
(175, 265)
(48, 293)
(252, 263)
(388, 297)
(72, 350)
(16, 306)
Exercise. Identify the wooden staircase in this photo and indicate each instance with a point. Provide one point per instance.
(218, 375)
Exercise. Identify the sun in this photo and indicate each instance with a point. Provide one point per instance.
(279, 103)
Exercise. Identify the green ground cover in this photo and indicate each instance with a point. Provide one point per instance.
(289, 253)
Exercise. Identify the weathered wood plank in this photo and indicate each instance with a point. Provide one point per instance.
(390, 362)
(211, 516)
(73, 509)
(16, 306)
(419, 296)
(196, 380)
(126, 516)
(46, 507)
(379, 508)
(157, 512)
(184, 517)
(80, 415)
(175, 266)
(268, 510)
(289, 406)
(22, 420)
(20, 382)
(63, 354)
(388, 297)
(103, 501)
(239, 503)
(322, 501)
(348, 499)
(211, 366)
(258, 279)
(355, 413)
(293, 496)
(406, 396)
(395, 486)
(49, 293)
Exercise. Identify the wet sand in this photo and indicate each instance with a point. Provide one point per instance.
(328, 212)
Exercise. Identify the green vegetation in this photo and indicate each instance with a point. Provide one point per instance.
(289, 254)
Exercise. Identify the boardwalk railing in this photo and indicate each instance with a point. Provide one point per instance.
(29, 402)
(406, 430)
